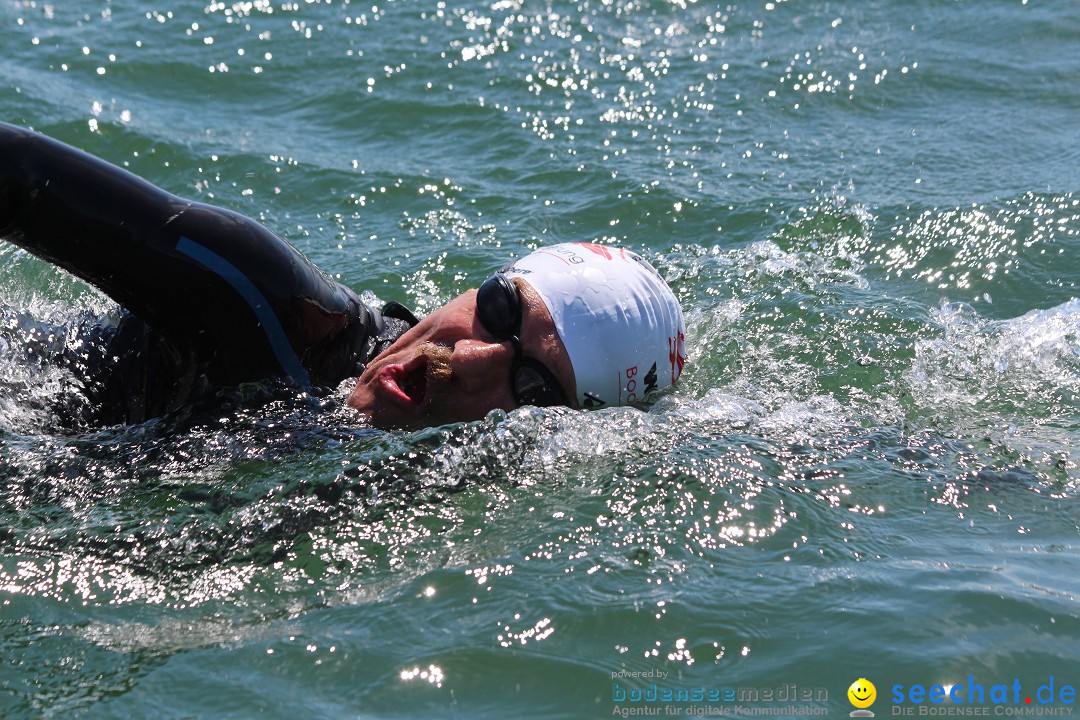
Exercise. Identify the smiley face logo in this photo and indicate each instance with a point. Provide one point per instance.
(862, 693)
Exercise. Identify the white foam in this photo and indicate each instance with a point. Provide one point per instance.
(983, 369)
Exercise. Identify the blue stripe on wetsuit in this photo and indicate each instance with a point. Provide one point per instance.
(240, 282)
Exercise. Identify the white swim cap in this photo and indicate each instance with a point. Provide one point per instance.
(620, 322)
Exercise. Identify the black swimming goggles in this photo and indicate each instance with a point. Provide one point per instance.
(498, 306)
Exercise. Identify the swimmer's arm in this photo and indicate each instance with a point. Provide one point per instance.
(67, 207)
(197, 273)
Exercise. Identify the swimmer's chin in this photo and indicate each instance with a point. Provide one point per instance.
(363, 401)
(360, 401)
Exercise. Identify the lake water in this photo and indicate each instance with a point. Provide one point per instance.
(871, 213)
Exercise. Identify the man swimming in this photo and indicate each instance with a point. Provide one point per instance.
(213, 299)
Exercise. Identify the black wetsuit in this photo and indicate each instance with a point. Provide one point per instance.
(212, 298)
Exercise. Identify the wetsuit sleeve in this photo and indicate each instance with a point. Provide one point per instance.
(249, 304)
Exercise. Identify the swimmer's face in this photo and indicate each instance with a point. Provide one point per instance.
(397, 389)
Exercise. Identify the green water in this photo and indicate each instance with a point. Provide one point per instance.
(870, 213)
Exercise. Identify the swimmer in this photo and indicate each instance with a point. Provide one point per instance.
(212, 299)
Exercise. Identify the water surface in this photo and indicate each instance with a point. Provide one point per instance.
(869, 211)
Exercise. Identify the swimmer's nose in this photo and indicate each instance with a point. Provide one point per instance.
(481, 366)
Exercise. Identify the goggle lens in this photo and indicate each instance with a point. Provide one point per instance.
(498, 306)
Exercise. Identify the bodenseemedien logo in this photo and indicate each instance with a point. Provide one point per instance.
(862, 694)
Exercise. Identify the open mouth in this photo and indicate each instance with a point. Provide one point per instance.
(414, 383)
(407, 384)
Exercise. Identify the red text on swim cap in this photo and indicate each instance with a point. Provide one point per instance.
(602, 250)
(632, 384)
(677, 355)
